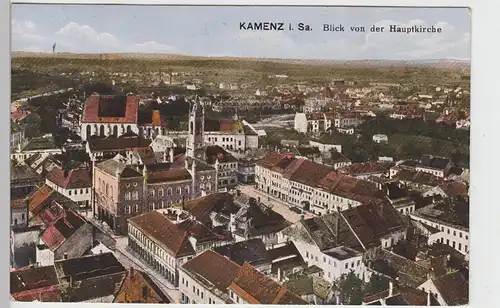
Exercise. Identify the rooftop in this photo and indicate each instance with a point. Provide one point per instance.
(110, 109)
(32, 278)
(40, 144)
(121, 143)
(454, 288)
(88, 267)
(138, 287)
(70, 179)
(252, 251)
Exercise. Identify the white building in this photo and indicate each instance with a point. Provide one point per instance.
(451, 289)
(75, 184)
(380, 138)
(444, 227)
(232, 135)
(437, 166)
(323, 147)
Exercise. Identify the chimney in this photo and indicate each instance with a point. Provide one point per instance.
(302, 217)
(66, 172)
(391, 288)
(238, 192)
(65, 256)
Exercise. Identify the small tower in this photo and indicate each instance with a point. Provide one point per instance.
(195, 128)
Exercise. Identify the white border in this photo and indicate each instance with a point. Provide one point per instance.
(485, 142)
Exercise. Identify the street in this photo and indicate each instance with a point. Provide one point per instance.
(277, 205)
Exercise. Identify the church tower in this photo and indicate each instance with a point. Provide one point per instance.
(195, 128)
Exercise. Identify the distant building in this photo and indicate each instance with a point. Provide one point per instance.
(380, 138)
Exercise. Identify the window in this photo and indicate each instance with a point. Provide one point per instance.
(22, 216)
(466, 237)
(161, 192)
(329, 275)
(460, 234)
(69, 192)
(459, 246)
(182, 280)
(169, 191)
(186, 189)
(209, 300)
(447, 242)
(128, 196)
(324, 259)
(307, 254)
(238, 300)
(201, 295)
(454, 233)
(346, 266)
(194, 289)
(358, 262)
(151, 192)
(466, 248)
(137, 208)
(179, 190)
(128, 184)
(453, 244)
(352, 264)
(127, 209)
(135, 184)
(135, 195)
(198, 292)
(448, 231)
(316, 258)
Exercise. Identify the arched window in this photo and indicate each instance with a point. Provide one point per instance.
(112, 192)
(127, 196)
(179, 190)
(186, 189)
(191, 127)
(161, 192)
(137, 208)
(115, 131)
(209, 186)
(89, 131)
(101, 130)
(129, 129)
(162, 204)
(152, 206)
(151, 192)
(169, 191)
(107, 189)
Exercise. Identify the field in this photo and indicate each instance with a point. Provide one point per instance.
(254, 71)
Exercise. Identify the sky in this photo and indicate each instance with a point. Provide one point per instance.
(214, 31)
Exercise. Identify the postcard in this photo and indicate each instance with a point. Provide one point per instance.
(240, 155)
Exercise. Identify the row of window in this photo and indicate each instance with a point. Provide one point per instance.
(161, 191)
(131, 195)
(76, 191)
(151, 246)
(454, 245)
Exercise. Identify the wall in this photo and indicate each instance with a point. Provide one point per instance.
(44, 256)
(101, 179)
(28, 236)
(429, 286)
(19, 217)
(300, 122)
(80, 195)
(108, 129)
(252, 141)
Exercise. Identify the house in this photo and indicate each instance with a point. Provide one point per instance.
(31, 283)
(420, 181)
(76, 184)
(450, 189)
(437, 166)
(450, 219)
(286, 261)
(323, 147)
(315, 290)
(365, 170)
(19, 213)
(138, 287)
(213, 279)
(160, 242)
(256, 220)
(67, 235)
(44, 146)
(451, 289)
(337, 242)
(311, 153)
(225, 164)
(399, 295)
(23, 180)
(91, 279)
(252, 251)
(399, 197)
(230, 134)
(380, 138)
(246, 164)
(336, 160)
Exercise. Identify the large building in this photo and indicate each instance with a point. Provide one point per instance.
(312, 186)
(115, 115)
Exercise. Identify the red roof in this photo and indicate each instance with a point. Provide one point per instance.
(76, 178)
(19, 114)
(52, 237)
(92, 106)
(48, 294)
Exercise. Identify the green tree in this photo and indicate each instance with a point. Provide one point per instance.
(350, 289)
(376, 284)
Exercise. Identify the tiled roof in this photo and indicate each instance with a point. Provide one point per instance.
(454, 189)
(93, 289)
(75, 178)
(252, 251)
(308, 285)
(112, 166)
(138, 287)
(172, 175)
(214, 152)
(23, 173)
(164, 232)
(201, 208)
(373, 220)
(18, 204)
(454, 288)
(256, 288)
(366, 168)
(202, 233)
(219, 271)
(309, 173)
(88, 267)
(110, 109)
(451, 211)
(118, 144)
(47, 294)
(32, 278)
(38, 198)
(418, 177)
(62, 229)
(223, 126)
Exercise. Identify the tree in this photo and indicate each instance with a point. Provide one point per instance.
(376, 284)
(350, 289)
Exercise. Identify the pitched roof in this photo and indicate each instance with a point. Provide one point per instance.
(429, 161)
(92, 288)
(88, 267)
(169, 175)
(452, 211)
(160, 229)
(307, 285)
(110, 109)
(366, 168)
(75, 178)
(113, 166)
(419, 177)
(214, 268)
(252, 251)
(23, 173)
(32, 278)
(454, 288)
(38, 199)
(214, 152)
(138, 287)
(454, 189)
(62, 229)
(121, 143)
(222, 203)
(256, 288)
